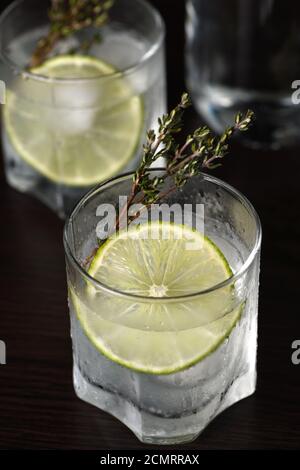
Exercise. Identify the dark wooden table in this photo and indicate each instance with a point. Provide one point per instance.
(38, 407)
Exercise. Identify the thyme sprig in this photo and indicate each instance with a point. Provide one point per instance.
(67, 17)
(201, 150)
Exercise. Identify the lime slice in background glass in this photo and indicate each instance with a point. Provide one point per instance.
(89, 134)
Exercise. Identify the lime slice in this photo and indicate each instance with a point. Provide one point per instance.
(158, 336)
(75, 133)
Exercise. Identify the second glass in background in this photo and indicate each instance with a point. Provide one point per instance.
(62, 133)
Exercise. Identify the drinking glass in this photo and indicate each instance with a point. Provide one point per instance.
(202, 345)
(64, 131)
(245, 55)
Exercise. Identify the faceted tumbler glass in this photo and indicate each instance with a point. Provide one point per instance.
(166, 408)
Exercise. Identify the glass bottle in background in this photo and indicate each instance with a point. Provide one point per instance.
(245, 54)
(78, 118)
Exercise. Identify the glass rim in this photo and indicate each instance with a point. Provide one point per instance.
(148, 54)
(139, 298)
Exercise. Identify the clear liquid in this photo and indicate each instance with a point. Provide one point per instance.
(119, 49)
(277, 119)
(245, 58)
(173, 408)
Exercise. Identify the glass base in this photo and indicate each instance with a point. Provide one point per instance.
(20, 176)
(276, 123)
(157, 430)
